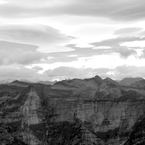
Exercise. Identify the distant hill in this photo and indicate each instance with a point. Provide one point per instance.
(139, 84)
(129, 81)
(19, 83)
(46, 82)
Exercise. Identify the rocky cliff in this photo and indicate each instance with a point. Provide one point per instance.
(91, 111)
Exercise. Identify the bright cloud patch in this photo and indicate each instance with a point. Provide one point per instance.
(15, 53)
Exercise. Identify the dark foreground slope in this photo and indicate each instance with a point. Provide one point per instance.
(71, 112)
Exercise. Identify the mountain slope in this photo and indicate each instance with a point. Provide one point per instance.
(129, 81)
(139, 84)
(72, 112)
(137, 136)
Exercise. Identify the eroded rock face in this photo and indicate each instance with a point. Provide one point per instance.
(31, 115)
(137, 135)
(31, 108)
(23, 110)
(110, 112)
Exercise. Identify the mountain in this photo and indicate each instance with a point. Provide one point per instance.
(19, 83)
(139, 84)
(26, 83)
(91, 111)
(46, 82)
(129, 81)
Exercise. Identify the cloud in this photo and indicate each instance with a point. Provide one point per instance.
(124, 51)
(117, 10)
(117, 41)
(116, 45)
(46, 38)
(15, 53)
(77, 53)
(64, 72)
(129, 71)
(119, 72)
(116, 73)
(20, 72)
(72, 72)
(143, 53)
(37, 68)
(128, 31)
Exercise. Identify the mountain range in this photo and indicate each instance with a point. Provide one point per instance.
(92, 111)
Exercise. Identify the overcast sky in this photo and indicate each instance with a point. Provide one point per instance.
(60, 39)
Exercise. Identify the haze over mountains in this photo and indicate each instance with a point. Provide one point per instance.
(92, 111)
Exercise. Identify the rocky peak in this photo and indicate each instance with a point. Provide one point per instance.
(110, 81)
(19, 83)
(108, 90)
(98, 79)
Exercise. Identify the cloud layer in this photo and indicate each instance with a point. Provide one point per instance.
(20, 72)
(82, 34)
(14, 53)
(117, 10)
(117, 73)
(46, 38)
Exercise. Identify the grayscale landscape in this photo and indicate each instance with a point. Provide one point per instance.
(72, 72)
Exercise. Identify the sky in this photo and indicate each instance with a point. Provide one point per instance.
(63, 39)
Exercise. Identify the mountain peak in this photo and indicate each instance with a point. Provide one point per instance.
(16, 81)
(111, 81)
(98, 79)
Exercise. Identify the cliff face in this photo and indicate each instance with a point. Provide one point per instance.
(90, 111)
(19, 112)
(110, 111)
(137, 136)
(30, 110)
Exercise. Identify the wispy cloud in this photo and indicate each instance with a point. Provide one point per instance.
(72, 72)
(45, 37)
(130, 31)
(115, 44)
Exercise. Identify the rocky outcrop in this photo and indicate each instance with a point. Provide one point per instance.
(137, 136)
(24, 110)
(30, 110)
